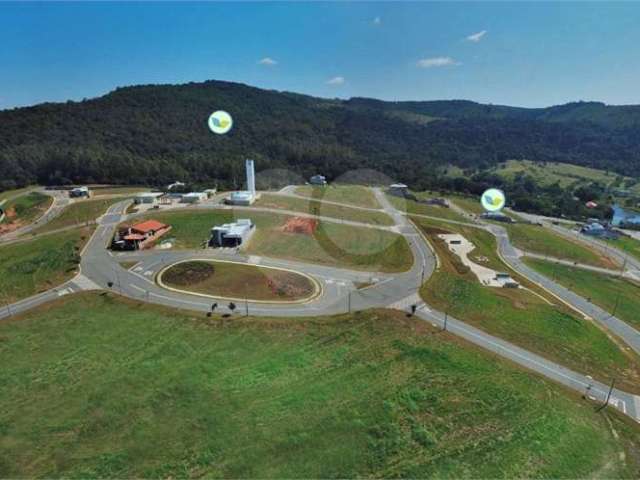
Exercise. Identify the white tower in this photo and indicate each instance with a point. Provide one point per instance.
(251, 177)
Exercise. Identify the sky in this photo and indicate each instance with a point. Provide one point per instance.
(524, 54)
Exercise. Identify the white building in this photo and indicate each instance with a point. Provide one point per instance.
(318, 180)
(232, 234)
(194, 197)
(147, 197)
(79, 192)
(248, 196)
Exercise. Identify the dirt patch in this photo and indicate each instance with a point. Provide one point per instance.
(306, 226)
(189, 273)
(286, 285)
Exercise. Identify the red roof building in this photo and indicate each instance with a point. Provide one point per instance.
(148, 226)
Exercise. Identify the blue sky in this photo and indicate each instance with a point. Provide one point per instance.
(531, 54)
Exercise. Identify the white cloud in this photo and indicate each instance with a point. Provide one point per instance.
(377, 21)
(268, 61)
(437, 62)
(335, 81)
(476, 37)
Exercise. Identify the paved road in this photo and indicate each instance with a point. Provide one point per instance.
(99, 267)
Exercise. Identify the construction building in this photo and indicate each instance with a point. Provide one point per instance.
(194, 197)
(232, 234)
(147, 198)
(139, 236)
(80, 192)
(320, 180)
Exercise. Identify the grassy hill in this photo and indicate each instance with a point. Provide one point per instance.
(95, 387)
(155, 134)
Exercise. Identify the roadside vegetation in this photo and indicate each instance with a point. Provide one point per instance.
(317, 207)
(98, 192)
(94, 386)
(332, 244)
(628, 245)
(5, 194)
(239, 281)
(78, 213)
(351, 194)
(23, 210)
(616, 295)
(528, 317)
(36, 265)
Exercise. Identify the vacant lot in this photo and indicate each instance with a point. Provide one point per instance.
(331, 244)
(30, 267)
(316, 207)
(413, 207)
(235, 280)
(542, 240)
(351, 194)
(612, 293)
(80, 212)
(521, 317)
(96, 387)
(24, 210)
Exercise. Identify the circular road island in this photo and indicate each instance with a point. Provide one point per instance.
(238, 281)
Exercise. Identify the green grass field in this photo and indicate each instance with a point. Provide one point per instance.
(323, 209)
(26, 208)
(612, 293)
(81, 212)
(542, 240)
(549, 173)
(235, 280)
(10, 193)
(98, 192)
(36, 265)
(413, 207)
(350, 194)
(519, 316)
(95, 387)
(628, 245)
(333, 243)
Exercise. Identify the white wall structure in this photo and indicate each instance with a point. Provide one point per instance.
(251, 177)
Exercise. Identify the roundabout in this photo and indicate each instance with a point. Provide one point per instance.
(230, 280)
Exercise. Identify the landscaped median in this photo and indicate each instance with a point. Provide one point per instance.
(237, 281)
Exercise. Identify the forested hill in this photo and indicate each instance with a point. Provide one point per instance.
(156, 134)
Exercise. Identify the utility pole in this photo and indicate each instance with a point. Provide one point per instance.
(349, 301)
(446, 317)
(246, 298)
(615, 307)
(606, 402)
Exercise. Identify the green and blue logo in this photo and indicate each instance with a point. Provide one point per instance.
(220, 122)
(493, 200)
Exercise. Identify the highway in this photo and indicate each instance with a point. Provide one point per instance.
(100, 267)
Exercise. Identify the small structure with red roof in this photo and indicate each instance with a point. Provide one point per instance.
(139, 236)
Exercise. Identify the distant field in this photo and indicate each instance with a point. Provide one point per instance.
(351, 194)
(30, 267)
(323, 209)
(81, 212)
(118, 191)
(542, 240)
(235, 280)
(468, 204)
(333, 243)
(26, 208)
(412, 207)
(607, 291)
(95, 387)
(563, 173)
(522, 317)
